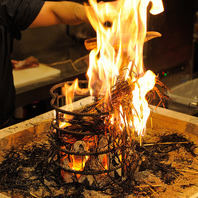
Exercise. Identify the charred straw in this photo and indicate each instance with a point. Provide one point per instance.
(29, 169)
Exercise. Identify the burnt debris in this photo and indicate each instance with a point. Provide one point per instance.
(30, 171)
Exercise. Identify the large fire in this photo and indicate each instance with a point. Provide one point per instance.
(121, 32)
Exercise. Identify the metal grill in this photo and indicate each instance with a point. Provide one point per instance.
(85, 138)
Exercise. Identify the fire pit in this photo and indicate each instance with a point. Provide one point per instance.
(105, 145)
(162, 122)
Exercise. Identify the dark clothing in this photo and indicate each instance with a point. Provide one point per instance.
(15, 15)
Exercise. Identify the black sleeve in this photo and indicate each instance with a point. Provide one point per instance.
(17, 15)
(26, 13)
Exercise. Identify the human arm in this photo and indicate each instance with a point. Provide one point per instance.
(64, 12)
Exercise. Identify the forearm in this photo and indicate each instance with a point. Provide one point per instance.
(64, 12)
(70, 13)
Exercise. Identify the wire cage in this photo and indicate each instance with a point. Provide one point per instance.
(85, 145)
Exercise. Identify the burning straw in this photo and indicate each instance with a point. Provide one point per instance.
(101, 136)
(97, 134)
(117, 116)
(103, 131)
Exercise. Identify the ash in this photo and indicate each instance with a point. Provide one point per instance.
(31, 171)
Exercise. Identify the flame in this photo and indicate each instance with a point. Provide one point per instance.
(69, 91)
(78, 162)
(119, 45)
(73, 162)
(121, 31)
(105, 162)
(142, 111)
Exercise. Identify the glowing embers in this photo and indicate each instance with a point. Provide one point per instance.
(86, 150)
(88, 159)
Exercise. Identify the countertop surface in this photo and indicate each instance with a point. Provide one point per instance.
(60, 51)
(38, 90)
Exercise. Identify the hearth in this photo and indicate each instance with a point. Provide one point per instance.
(162, 124)
(115, 143)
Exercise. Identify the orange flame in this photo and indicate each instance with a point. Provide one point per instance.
(121, 32)
(105, 162)
(144, 84)
(127, 31)
(69, 91)
(127, 21)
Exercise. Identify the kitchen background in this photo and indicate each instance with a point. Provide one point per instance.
(174, 57)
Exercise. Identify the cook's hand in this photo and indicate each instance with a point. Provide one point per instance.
(60, 12)
(81, 14)
(101, 12)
